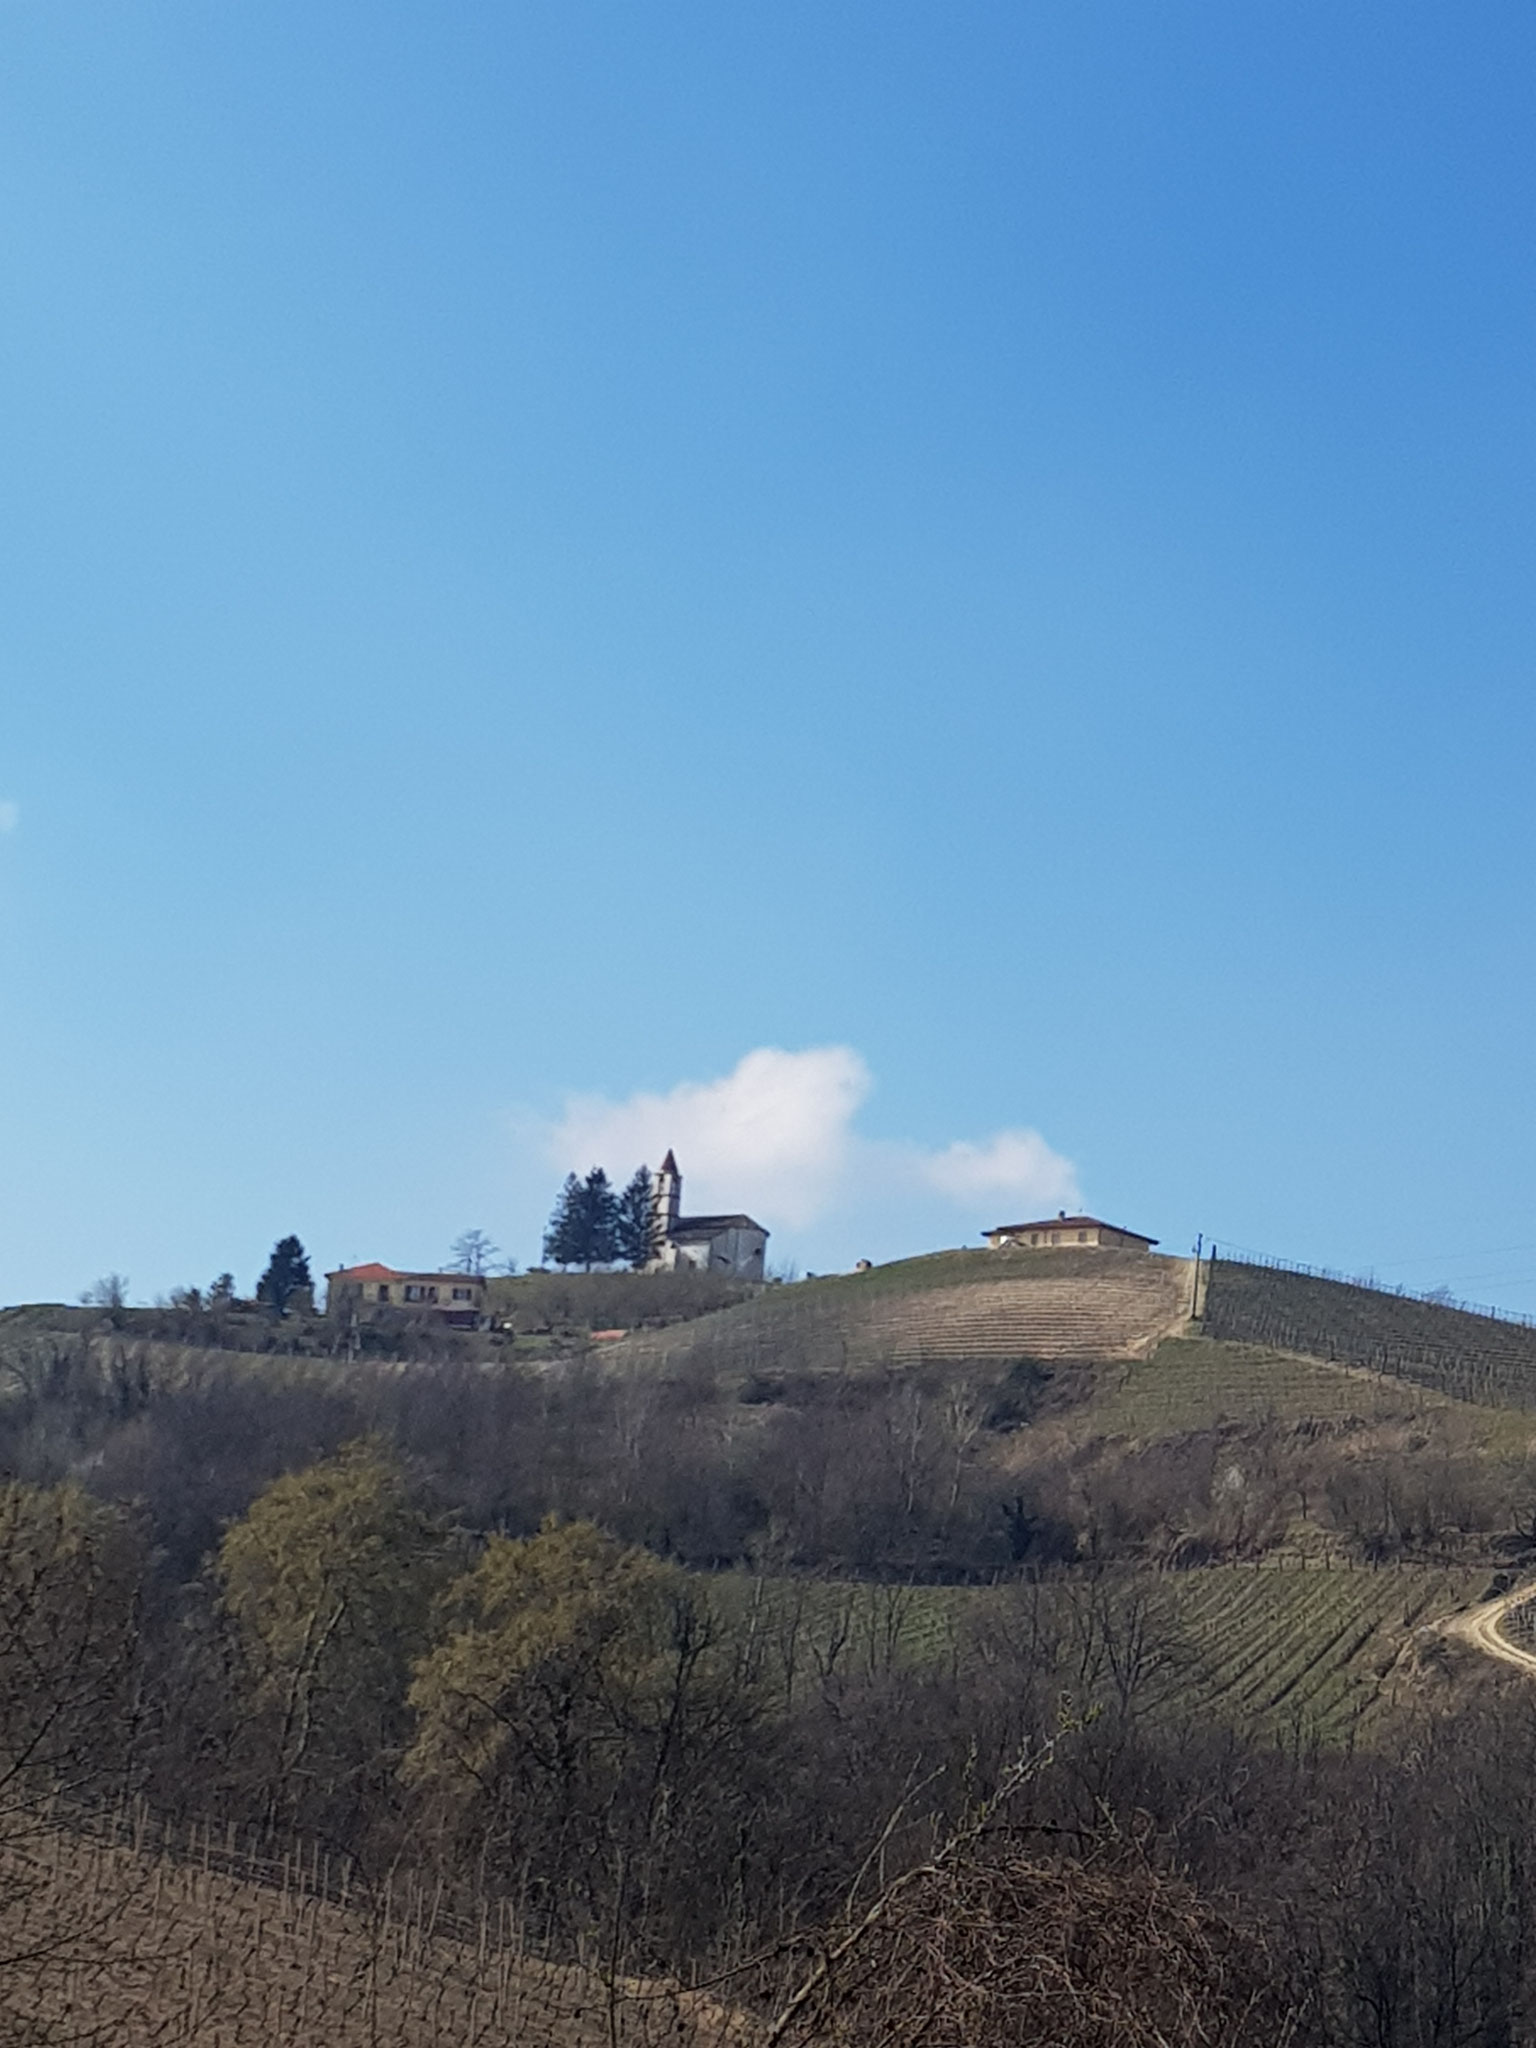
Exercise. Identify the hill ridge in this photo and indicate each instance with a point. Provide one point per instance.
(946, 1307)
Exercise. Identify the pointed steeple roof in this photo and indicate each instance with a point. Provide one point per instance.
(669, 1165)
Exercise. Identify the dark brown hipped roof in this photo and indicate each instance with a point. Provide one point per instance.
(710, 1226)
(1068, 1223)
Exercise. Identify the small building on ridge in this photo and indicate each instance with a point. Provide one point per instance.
(1057, 1233)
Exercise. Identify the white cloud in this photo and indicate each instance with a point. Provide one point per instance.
(10, 816)
(772, 1135)
(776, 1136)
(1012, 1165)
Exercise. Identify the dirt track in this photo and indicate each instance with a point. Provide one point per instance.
(1480, 1627)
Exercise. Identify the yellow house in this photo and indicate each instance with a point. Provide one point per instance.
(1059, 1232)
(456, 1298)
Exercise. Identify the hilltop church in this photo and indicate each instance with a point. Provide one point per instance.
(712, 1244)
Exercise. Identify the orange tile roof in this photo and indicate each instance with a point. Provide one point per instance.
(375, 1271)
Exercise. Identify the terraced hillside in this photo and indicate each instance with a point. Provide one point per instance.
(1473, 1357)
(950, 1306)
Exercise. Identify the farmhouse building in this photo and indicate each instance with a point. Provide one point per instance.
(1057, 1232)
(454, 1298)
(712, 1244)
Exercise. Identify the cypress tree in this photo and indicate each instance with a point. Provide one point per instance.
(566, 1238)
(636, 1232)
(287, 1272)
(600, 1220)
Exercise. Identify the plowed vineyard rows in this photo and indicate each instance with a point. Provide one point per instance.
(1306, 1650)
(1275, 1650)
(105, 1944)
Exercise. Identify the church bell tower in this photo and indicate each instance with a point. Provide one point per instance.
(666, 1201)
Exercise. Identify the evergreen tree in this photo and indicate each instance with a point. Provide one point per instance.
(287, 1272)
(600, 1219)
(565, 1240)
(636, 1232)
(584, 1230)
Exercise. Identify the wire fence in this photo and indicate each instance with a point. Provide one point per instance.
(121, 1928)
(1454, 1349)
(1435, 1297)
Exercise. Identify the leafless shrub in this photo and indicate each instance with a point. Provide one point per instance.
(995, 1949)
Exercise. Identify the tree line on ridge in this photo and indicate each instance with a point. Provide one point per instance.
(596, 1224)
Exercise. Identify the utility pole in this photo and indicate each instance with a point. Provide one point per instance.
(1195, 1303)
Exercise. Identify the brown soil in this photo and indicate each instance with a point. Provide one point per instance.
(103, 1941)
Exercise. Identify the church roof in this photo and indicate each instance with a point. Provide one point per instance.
(669, 1164)
(710, 1226)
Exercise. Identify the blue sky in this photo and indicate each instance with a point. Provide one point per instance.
(860, 582)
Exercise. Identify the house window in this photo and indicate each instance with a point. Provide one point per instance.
(1055, 1237)
(1034, 1237)
(1082, 1237)
(462, 1294)
(383, 1294)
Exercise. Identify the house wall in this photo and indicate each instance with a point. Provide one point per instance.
(1056, 1239)
(731, 1251)
(454, 1294)
(743, 1252)
(343, 1296)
